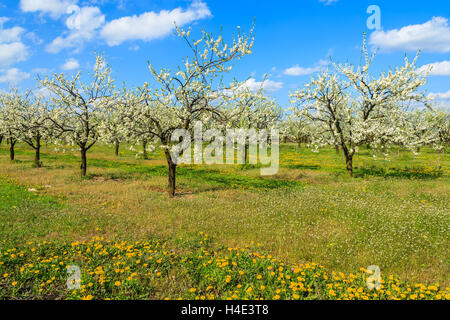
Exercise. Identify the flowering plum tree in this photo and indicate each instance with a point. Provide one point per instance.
(80, 107)
(137, 117)
(359, 108)
(10, 104)
(296, 127)
(440, 125)
(427, 127)
(250, 110)
(32, 124)
(111, 128)
(184, 97)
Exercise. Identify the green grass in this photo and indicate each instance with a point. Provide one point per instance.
(394, 213)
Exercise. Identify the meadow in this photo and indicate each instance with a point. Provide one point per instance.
(307, 233)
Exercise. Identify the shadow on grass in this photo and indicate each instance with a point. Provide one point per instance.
(301, 166)
(406, 173)
(204, 179)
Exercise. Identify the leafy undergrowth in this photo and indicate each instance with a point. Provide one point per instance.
(152, 270)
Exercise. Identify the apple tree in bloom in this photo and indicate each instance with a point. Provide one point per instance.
(111, 129)
(296, 127)
(249, 110)
(33, 125)
(351, 107)
(81, 106)
(10, 104)
(440, 125)
(180, 98)
(137, 113)
(427, 127)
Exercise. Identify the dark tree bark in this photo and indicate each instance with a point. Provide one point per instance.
(83, 161)
(12, 143)
(116, 147)
(348, 159)
(438, 158)
(1, 139)
(245, 159)
(144, 149)
(349, 162)
(37, 154)
(172, 173)
(299, 141)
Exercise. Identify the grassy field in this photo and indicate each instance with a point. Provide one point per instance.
(394, 213)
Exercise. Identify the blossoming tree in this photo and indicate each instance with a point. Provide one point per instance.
(137, 117)
(181, 98)
(10, 103)
(351, 107)
(246, 109)
(81, 106)
(427, 127)
(32, 124)
(111, 128)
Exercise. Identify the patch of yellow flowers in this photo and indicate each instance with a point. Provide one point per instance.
(131, 270)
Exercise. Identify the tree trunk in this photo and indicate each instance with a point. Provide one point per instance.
(349, 163)
(116, 147)
(144, 148)
(348, 159)
(1, 139)
(245, 159)
(37, 154)
(172, 174)
(83, 161)
(438, 164)
(336, 146)
(12, 143)
(172, 179)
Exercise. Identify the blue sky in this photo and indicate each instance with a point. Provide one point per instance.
(294, 39)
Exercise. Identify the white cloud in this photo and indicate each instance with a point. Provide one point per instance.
(440, 96)
(152, 25)
(33, 37)
(13, 34)
(89, 20)
(268, 85)
(437, 69)
(42, 92)
(55, 8)
(11, 53)
(441, 100)
(302, 71)
(432, 36)
(328, 2)
(10, 35)
(13, 76)
(70, 64)
(12, 50)
(40, 70)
